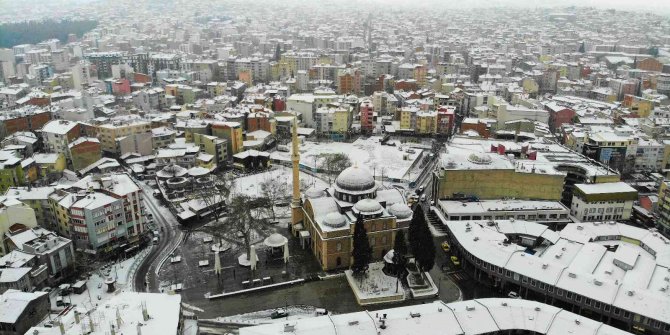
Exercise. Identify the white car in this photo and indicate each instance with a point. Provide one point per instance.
(513, 295)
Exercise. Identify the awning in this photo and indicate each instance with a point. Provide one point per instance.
(298, 226)
(304, 234)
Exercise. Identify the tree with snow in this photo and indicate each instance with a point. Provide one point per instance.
(421, 241)
(333, 163)
(274, 190)
(362, 252)
(246, 219)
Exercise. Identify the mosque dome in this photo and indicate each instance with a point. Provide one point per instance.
(314, 192)
(400, 210)
(334, 220)
(368, 206)
(480, 158)
(355, 178)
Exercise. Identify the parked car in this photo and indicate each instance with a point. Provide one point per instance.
(279, 313)
(445, 246)
(513, 295)
(455, 261)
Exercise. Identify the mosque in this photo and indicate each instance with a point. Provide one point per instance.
(324, 219)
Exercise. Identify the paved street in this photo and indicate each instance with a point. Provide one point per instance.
(169, 236)
(333, 294)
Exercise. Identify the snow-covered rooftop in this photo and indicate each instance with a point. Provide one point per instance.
(464, 317)
(577, 260)
(125, 313)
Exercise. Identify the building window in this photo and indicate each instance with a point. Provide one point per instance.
(578, 298)
(568, 295)
(339, 246)
(626, 314)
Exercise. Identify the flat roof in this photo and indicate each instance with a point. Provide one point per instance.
(455, 207)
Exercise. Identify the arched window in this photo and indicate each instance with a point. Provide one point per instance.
(338, 261)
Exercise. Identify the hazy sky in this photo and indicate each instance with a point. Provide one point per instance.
(645, 5)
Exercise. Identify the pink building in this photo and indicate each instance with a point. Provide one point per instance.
(121, 87)
(367, 116)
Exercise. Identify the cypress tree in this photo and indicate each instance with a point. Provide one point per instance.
(399, 249)
(421, 241)
(362, 252)
(277, 53)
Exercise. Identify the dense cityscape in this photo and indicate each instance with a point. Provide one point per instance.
(334, 167)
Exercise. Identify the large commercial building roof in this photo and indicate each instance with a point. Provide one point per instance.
(580, 259)
(481, 316)
(550, 158)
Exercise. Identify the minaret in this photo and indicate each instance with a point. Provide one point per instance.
(296, 206)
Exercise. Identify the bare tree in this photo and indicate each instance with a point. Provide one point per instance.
(215, 194)
(274, 190)
(333, 163)
(246, 216)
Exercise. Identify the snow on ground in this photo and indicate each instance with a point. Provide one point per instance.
(96, 292)
(392, 161)
(250, 185)
(295, 312)
(374, 284)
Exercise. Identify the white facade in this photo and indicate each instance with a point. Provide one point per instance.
(601, 210)
(603, 202)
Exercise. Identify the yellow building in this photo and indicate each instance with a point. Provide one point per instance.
(109, 133)
(419, 74)
(232, 132)
(466, 171)
(663, 209)
(14, 171)
(407, 114)
(341, 120)
(426, 123)
(530, 86)
(60, 202)
(50, 165)
(214, 146)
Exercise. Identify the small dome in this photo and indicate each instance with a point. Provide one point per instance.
(401, 210)
(368, 206)
(275, 240)
(480, 158)
(171, 171)
(197, 171)
(335, 220)
(355, 178)
(314, 192)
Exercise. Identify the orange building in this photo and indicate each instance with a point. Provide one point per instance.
(650, 64)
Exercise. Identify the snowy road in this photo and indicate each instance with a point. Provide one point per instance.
(145, 276)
